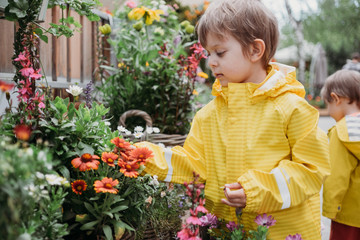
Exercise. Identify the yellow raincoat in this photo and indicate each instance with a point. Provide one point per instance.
(265, 137)
(342, 187)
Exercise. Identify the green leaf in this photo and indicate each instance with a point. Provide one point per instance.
(89, 225)
(119, 208)
(91, 209)
(108, 232)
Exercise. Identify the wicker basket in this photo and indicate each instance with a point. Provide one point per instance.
(169, 140)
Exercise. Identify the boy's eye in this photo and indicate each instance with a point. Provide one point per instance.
(220, 53)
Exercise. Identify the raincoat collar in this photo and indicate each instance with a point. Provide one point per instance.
(280, 78)
(342, 132)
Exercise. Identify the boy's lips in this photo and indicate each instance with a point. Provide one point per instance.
(218, 75)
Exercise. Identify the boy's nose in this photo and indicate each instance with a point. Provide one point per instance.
(212, 62)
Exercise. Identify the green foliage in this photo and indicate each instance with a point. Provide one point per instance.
(31, 203)
(152, 74)
(336, 26)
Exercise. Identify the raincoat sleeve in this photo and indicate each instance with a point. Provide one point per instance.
(336, 185)
(297, 178)
(178, 163)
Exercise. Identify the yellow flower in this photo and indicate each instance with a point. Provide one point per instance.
(136, 13)
(120, 65)
(147, 64)
(195, 92)
(203, 75)
(152, 15)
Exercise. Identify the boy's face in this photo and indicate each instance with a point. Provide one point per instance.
(227, 61)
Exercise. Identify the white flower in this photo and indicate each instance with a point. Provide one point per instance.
(121, 129)
(40, 175)
(53, 179)
(107, 123)
(74, 90)
(154, 181)
(149, 130)
(156, 130)
(127, 132)
(138, 134)
(138, 129)
(163, 194)
(161, 145)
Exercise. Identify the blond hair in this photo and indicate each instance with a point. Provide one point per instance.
(344, 83)
(246, 20)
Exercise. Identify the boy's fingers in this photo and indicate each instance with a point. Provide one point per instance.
(233, 185)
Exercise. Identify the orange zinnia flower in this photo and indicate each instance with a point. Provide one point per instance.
(122, 144)
(22, 132)
(5, 87)
(109, 158)
(141, 154)
(86, 162)
(106, 185)
(78, 186)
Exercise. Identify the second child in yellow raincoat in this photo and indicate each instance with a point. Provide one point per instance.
(258, 137)
(342, 188)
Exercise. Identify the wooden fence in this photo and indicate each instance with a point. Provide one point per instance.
(65, 61)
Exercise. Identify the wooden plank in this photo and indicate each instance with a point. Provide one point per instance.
(54, 70)
(82, 42)
(68, 52)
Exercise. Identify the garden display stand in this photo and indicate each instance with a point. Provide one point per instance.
(169, 140)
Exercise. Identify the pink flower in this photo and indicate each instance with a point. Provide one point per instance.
(209, 220)
(131, 4)
(193, 220)
(232, 226)
(36, 74)
(294, 237)
(183, 234)
(21, 57)
(26, 72)
(201, 207)
(265, 220)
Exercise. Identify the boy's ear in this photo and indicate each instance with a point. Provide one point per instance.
(257, 49)
(335, 98)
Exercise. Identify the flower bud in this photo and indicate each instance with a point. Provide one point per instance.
(189, 29)
(138, 26)
(105, 29)
(7, 96)
(184, 23)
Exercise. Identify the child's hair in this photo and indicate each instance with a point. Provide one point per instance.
(344, 83)
(246, 20)
(355, 55)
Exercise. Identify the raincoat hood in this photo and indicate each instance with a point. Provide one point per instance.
(343, 131)
(280, 79)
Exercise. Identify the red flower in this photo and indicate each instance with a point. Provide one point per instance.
(86, 162)
(109, 158)
(129, 169)
(106, 185)
(22, 132)
(78, 186)
(141, 154)
(5, 87)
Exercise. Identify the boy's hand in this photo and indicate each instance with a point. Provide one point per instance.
(234, 198)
